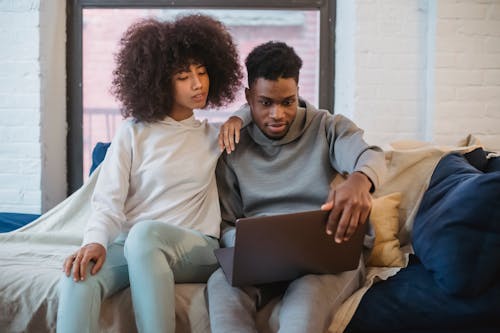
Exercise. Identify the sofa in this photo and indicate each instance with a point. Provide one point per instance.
(452, 279)
(415, 282)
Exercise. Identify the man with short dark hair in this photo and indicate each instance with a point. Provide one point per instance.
(285, 162)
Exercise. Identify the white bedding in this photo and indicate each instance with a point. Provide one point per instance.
(31, 258)
(31, 264)
(30, 267)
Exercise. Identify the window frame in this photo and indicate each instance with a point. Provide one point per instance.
(74, 66)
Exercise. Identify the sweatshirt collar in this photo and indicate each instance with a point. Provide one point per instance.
(190, 122)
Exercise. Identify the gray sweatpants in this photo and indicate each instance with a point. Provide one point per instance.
(308, 304)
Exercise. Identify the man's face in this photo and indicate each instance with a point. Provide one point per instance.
(273, 105)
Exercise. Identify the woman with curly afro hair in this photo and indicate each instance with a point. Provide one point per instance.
(155, 212)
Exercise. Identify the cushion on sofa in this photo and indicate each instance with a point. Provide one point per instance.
(484, 161)
(456, 233)
(13, 221)
(493, 164)
(98, 154)
(384, 217)
(478, 159)
(411, 301)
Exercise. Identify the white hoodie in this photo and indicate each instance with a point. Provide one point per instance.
(162, 171)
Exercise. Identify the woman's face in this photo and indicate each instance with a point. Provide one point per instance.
(190, 90)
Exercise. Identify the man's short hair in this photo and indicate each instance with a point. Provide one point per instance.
(271, 61)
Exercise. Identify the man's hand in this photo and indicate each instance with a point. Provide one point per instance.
(229, 134)
(349, 205)
(80, 259)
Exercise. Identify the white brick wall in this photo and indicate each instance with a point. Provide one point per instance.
(422, 69)
(20, 158)
(468, 71)
(32, 105)
(386, 48)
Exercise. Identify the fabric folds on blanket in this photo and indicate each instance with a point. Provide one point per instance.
(31, 262)
(456, 233)
(31, 257)
(410, 166)
(411, 300)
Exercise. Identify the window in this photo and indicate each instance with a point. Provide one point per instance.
(94, 28)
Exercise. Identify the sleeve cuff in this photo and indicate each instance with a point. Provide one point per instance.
(371, 175)
(95, 237)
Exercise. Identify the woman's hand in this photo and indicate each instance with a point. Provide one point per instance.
(80, 259)
(229, 134)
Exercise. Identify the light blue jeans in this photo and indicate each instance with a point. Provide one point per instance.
(151, 259)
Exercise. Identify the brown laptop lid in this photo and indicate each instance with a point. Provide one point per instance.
(284, 247)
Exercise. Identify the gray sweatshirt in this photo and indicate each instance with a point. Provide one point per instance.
(266, 177)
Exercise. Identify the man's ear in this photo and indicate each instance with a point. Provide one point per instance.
(247, 95)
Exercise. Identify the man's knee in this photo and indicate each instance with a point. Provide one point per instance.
(217, 278)
(309, 281)
(228, 237)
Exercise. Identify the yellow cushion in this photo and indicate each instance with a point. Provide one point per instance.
(384, 218)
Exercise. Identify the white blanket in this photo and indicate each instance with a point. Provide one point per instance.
(31, 264)
(31, 257)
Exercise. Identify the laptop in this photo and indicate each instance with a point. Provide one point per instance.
(284, 247)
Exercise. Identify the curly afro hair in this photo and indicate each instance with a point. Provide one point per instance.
(271, 61)
(151, 52)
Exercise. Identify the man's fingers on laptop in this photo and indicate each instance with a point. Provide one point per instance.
(353, 225)
(328, 205)
(331, 196)
(333, 219)
(364, 216)
(344, 220)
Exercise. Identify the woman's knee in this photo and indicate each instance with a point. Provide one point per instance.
(68, 286)
(141, 239)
